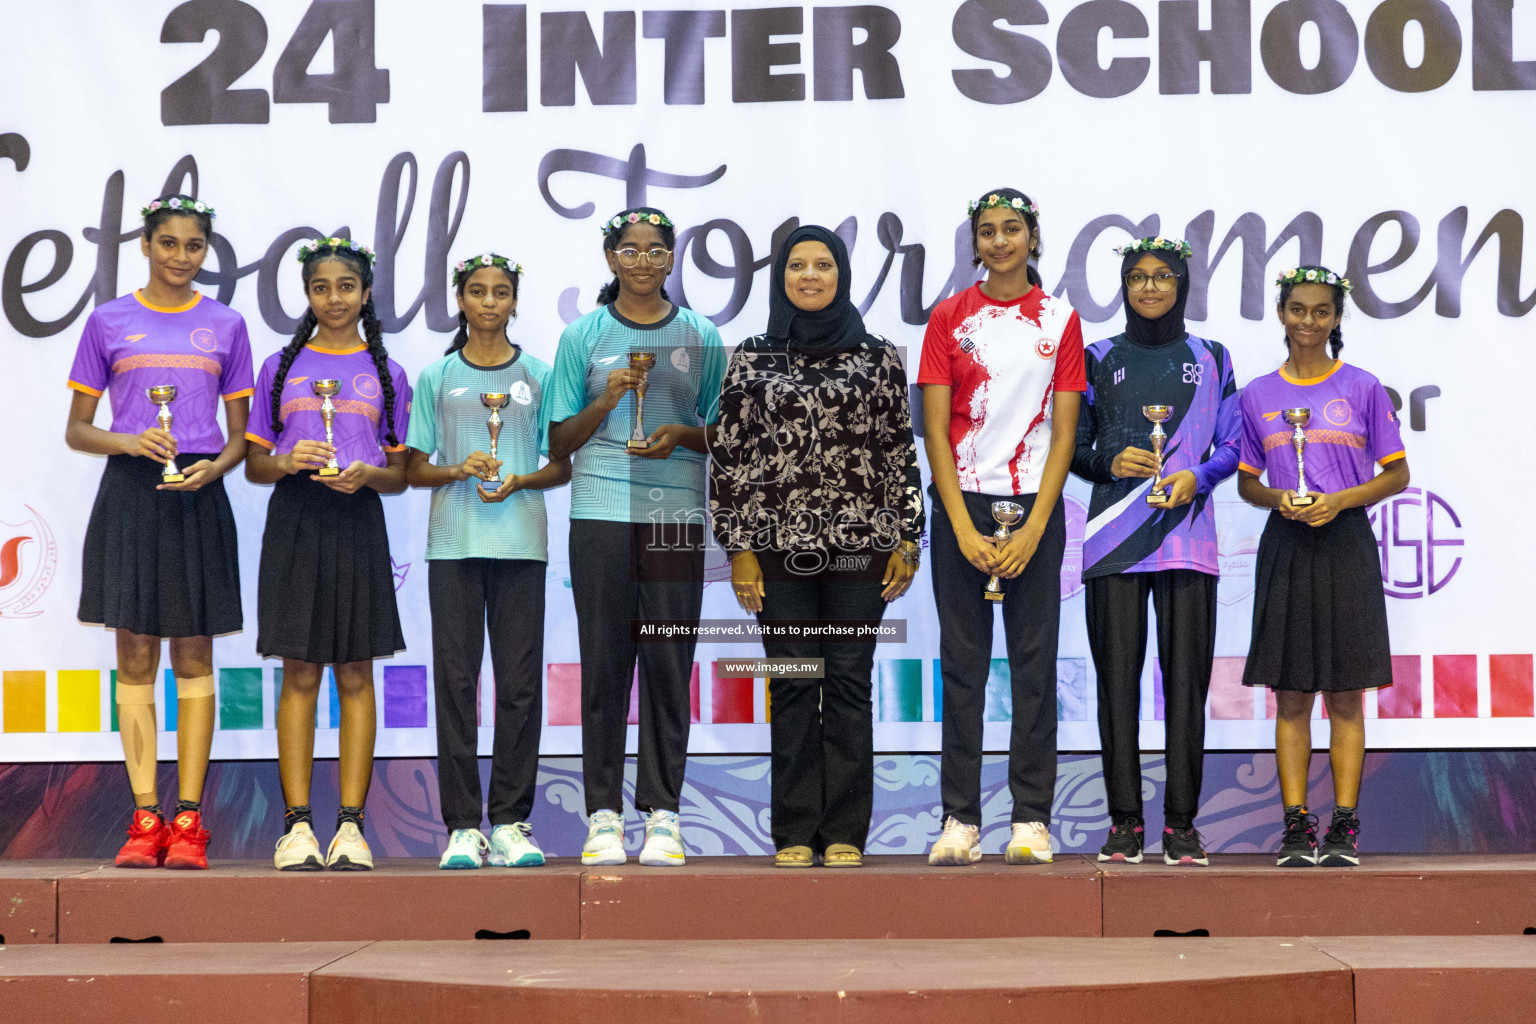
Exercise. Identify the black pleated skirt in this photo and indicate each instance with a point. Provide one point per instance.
(326, 592)
(1319, 611)
(160, 563)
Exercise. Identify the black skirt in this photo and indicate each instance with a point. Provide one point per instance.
(326, 592)
(160, 563)
(1319, 611)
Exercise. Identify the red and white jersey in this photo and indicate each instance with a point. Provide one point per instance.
(1003, 361)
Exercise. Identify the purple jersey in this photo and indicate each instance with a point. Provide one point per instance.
(129, 346)
(360, 431)
(1352, 428)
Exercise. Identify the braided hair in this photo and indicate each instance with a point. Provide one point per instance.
(613, 236)
(1336, 336)
(373, 333)
(1031, 220)
(460, 282)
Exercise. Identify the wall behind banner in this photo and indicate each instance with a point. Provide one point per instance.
(1387, 140)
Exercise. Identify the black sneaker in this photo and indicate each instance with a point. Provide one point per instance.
(1340, 843)
(1124, 843)
(1298, 848)
(1182, 846)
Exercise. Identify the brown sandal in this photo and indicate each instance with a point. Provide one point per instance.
(794, 857)
(843, 855)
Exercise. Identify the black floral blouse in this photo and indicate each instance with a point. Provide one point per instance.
(815, 453)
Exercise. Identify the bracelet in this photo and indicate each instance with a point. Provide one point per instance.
(911, 554)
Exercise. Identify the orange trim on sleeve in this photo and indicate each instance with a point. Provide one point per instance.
(396, 448)
(196, 298)
(268, 445)
(76, 385)
(1250, 469)
(247, 393)
(1391, 458)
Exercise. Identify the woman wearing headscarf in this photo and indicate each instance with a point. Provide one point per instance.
(1152, 529)
(817, 498)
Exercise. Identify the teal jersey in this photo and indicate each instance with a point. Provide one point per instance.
(684, 387)
(449, 420)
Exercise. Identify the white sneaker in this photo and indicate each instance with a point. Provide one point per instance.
(466, 849)
(605, 839)
(1031, 843)
(959, 843)
(663, 840)
(298, 850)
(513, 846)
(349, 850)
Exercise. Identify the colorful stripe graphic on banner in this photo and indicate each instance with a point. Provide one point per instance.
(1511, 691)
(25, 702)
(405, 696)
(731, 698)
(79, 692)
(240, 698)
(899, 690)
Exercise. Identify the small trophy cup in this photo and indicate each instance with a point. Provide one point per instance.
(1299, 418)
(163, 395)
(640, 361)
(326, 389)
(1007, 513)
(494, 401)
(1158, 414)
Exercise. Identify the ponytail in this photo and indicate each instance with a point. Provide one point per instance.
(1336, 341)
(301, 336)
(460, 339)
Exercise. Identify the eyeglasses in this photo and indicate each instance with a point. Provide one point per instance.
(1136, 281)
(632, 257)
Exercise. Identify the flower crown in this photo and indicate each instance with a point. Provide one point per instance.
(994, 200)
(464, 268)
(176, 203)
(1158, 244)
(314, 245)
(622, 221)
(1297, 276)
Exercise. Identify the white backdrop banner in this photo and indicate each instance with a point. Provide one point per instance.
(1392, 140)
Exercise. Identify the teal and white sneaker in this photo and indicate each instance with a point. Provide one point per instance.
(605, 839)
(466, 849)
(513, 846)
(663, 840)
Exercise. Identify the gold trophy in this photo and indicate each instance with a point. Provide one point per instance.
(1299, 418)
(640, 361)
(1158, 414)
(1007, 513)
(494, 401)
(163, 395)
(326, 389)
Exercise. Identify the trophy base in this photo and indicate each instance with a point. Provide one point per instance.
(992, 595)
(1153, 498)
(330, 471)
(491, 485)
(1302, 500)
(172, 478)
(640, 445)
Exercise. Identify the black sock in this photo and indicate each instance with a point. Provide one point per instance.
(195, 806)
(293, 815)
(151, 808)
(1293, 810)
(1343, 812)
(352, 814)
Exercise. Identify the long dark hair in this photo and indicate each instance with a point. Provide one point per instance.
(1336, 336)
(460, 280)
(373, 333)
(155, 218)
(613, 235)
(1031, 220)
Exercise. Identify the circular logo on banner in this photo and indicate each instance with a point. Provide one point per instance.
(680, 360)
(366, 385)
(1420, 539)
(28, 560)
(1338, 412)
(1072, 559)
(203, 340)
(1045, 348)
(520, 393)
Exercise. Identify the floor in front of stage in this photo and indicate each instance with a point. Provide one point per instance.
(1402, 937)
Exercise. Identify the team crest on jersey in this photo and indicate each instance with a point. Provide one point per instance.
(680, 360)
(520, 393)
(366, 385)
(1119, 376)
(1045, 348)
(203, 340)
(1338, 412)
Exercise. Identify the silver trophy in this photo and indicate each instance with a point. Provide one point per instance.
(1007, 513)
(1159, 415)
(1299, 418)
(326, 389)
(494, 401)
(640, 361)
(163, 395)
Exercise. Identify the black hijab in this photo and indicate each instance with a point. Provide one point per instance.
(837, 328)
(1169, 327)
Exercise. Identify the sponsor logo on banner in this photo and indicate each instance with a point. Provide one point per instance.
(29, 559)
(400, 570)
(1413, 530)
(1072, 559)
(1237, 548)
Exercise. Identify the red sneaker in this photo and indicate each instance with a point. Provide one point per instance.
(188, 843)
(147, 836)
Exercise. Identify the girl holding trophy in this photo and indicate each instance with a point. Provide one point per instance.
(327, 431)
(160, 555)
(1001, 372)
(487, 551)
(637, 522)
(1320, 429)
